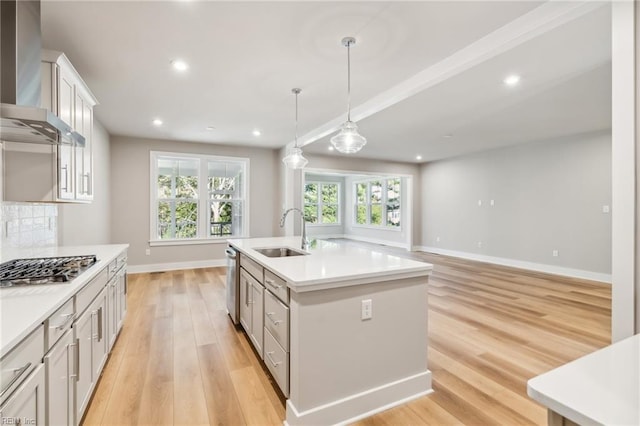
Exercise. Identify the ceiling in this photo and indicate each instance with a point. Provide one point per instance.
(420, 70)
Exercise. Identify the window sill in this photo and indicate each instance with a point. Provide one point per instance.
(379, 228)
(190, 241)
(313, 225)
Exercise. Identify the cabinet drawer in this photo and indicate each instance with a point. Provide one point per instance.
(58, 323)
(122, 260)
(277, 361)
(90, 291)
(252, 267)
(276, 285)
(113, 268)
(20, 362)
(276, 319)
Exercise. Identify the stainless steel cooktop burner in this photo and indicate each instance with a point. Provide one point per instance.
(46, 270)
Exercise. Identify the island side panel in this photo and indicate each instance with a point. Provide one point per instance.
(335, 355)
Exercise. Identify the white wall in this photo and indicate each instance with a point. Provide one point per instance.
(547, 196)
(130, 210)
(81, 224)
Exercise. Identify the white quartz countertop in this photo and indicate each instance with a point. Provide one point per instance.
(602, 388)
(22, 309)
(330, 264)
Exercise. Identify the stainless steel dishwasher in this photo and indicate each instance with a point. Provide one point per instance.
(233, 284)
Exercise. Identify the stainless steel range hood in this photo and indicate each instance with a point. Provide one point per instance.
(22, 119)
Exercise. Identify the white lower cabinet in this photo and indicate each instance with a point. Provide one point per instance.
(252, 309)
(61, 364)
(89, 330)
(26, 406)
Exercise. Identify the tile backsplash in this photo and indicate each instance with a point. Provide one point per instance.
(29, 225)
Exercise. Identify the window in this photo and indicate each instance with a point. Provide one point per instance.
(197, 197)
(377, 202)
(322, 202)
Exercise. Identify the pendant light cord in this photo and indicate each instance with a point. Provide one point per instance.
(349, 81)
(296, 144)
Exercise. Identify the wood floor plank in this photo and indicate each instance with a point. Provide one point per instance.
(180, 360)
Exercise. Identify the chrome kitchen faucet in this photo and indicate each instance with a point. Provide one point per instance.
(305, 243)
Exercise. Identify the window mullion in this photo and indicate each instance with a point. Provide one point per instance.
(203, 200)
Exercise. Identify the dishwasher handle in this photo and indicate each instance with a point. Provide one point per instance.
(231, 253)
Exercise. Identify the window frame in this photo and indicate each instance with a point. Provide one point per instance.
(320, 203)
(203, 200)
(383, 203)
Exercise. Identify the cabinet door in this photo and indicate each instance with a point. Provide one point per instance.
(60, 365)
(112, 311)
(87, 157)
(84, 381)
(26, 405)
(66, 97)
(99, 349)
(257, 316)
(83, 155)
(245, 306)
(121, 296)
(66, 166)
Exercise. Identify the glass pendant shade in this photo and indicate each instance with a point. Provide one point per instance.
(295, 159)
(348, 140)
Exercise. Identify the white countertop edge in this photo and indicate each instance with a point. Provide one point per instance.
(83, 278)
(329, 283)
(558, 407)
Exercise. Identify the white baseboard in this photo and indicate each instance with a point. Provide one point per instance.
(175, 266)
(364, 404)
(532, 266)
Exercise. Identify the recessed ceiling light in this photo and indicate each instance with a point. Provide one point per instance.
(257, 132)
(179, 65)
(512, 80)
(448, 136)
(210, 128)
(331, 148)
(418, 157)
(157, 122)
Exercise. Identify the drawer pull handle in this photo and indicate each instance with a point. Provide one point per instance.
(270, 316)
(18, 372)
(272, 283)
(275, 364)
(69, 318)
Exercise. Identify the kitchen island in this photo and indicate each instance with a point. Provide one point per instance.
(355, 341)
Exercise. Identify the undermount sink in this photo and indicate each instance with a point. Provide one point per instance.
(280, 252)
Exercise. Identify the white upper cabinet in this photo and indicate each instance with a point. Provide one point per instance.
(50, 173)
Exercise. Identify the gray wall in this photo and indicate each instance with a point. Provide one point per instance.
(130, 221)
(353, 164)
(548, 196)
(91, 223)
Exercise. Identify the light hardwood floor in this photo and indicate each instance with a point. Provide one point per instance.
(179, 360)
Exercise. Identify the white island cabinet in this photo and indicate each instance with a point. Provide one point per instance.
(344, 327)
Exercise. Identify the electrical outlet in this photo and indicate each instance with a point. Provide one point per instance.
(479, 203)
(492, 203)
(605, 209)
(479, 244)
(148, 252)
(437, 239)
(367, 309)
(555, 253)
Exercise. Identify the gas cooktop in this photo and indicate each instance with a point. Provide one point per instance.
(45, 270)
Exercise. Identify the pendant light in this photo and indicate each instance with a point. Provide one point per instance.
(348, 140)
(294, 159)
